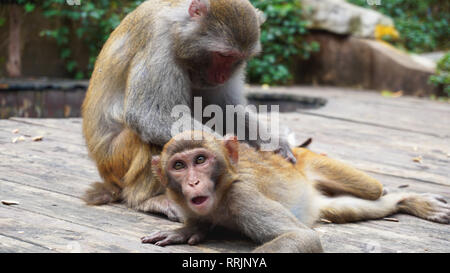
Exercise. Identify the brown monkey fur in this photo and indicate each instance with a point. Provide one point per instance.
(270, 200)
(160, 56)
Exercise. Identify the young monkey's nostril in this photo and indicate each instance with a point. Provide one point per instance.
(192, 184)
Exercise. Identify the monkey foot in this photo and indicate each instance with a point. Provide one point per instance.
(435, 207)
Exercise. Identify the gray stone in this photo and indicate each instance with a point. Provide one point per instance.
(340, 17)
(363, 63)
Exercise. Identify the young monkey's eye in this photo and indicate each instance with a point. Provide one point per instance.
(200, 159)
(178, 165)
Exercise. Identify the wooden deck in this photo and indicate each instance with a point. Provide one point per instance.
(376, 134)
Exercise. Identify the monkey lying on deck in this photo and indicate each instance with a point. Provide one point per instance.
(227, 183)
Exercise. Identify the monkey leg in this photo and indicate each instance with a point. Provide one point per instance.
(335, 178)
(350, 209)
(298, 241)
(124, 163)
(162, 204)
(268, 222)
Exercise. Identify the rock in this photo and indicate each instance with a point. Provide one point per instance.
(363, 63)
(433, 56)
(340, 17)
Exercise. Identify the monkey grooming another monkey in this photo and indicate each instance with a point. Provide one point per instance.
(223, 182)
(162, 55)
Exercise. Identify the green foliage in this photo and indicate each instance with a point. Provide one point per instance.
(281, 38)
(423, 25)
(442, 76)
(93, 21)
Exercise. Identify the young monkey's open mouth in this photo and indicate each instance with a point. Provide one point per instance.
(199, 200)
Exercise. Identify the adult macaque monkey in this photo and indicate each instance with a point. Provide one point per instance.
(162, 55)
(222, 182)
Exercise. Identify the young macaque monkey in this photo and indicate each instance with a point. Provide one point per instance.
(227, 183)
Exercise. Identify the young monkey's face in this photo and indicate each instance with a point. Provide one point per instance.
(193, 174)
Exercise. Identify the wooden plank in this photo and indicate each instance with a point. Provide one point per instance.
(114, 220)
(131, 225)
(62, 236)
(406, 113)
(14, 244)
(408, 235)
(59, 169)
(331, 140)
(53, 123)
(392, 153)
(371, 149)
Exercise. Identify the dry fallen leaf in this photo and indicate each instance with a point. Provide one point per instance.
(397, 94)
(15, 131)
(323, 220)
(390, 219)
(16, 139)
(9, 202)
(417, 159)
(38, 138)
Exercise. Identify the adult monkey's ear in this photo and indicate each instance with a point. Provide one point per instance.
(261, 16)
(198, 8)
(156, 169)
(231, 143)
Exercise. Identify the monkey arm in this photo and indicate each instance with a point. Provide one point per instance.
(268, 222)
(152, 94)
(256, 133)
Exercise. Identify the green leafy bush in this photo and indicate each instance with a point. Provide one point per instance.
(423, 25)
(442, 76)
(282, 40)
(93, 21)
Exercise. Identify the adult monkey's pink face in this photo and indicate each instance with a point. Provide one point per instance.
(223, 35)
(222, 65)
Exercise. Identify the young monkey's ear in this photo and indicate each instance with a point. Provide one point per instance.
(198, 8)
(232, 145)
(156, 168)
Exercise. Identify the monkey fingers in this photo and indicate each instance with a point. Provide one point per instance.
(286, 152)
(163, 238)
(177, 236)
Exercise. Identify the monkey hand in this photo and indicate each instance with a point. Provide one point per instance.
(277, 144)
(183, 235)
(285, 151)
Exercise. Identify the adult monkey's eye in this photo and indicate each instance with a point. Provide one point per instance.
(200, 159)
(178, 165)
